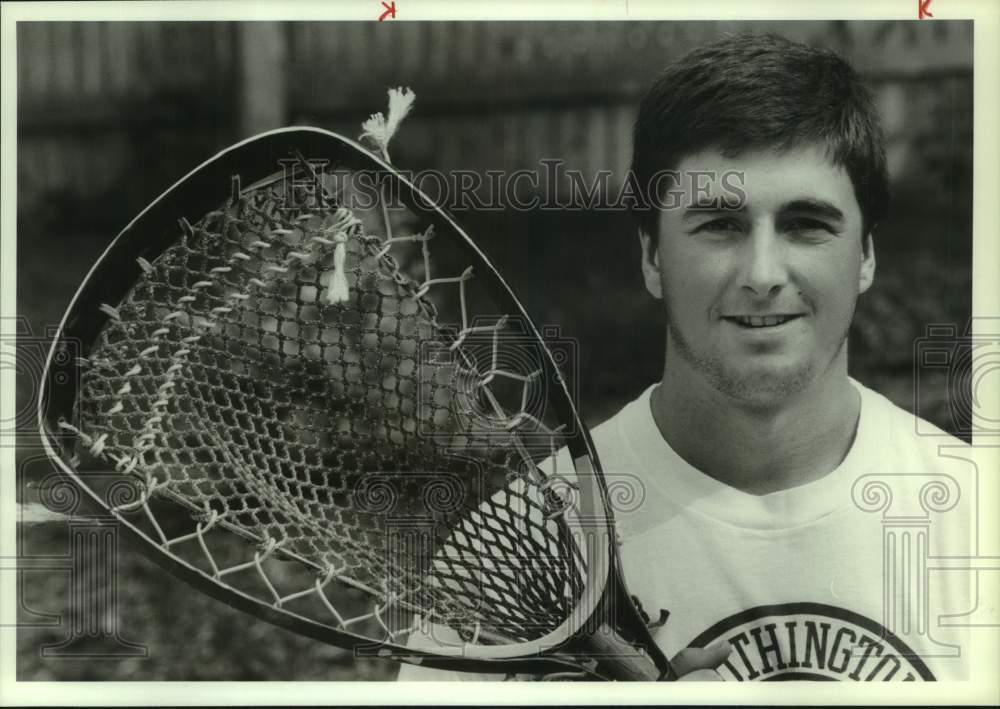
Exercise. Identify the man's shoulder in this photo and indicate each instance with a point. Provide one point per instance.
(904, 438)
(611, 438)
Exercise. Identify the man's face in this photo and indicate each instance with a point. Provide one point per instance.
(760, 295)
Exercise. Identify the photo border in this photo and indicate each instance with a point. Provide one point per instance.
(984, 686)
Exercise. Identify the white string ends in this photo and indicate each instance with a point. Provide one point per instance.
(380, 129)
(337, 290)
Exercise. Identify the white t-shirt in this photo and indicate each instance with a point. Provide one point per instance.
(804, 582)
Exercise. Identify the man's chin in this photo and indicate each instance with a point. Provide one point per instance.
(764, 387)
(755, 381)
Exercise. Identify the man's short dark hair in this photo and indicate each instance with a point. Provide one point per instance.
(750, 91)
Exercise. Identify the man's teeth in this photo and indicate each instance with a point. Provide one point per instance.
(762, 321)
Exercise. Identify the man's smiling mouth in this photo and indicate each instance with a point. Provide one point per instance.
(755, 321)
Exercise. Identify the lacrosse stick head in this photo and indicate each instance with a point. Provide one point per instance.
(311, 395)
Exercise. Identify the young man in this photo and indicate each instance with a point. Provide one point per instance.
(760, 461)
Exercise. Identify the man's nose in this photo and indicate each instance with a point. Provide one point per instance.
(765, 270)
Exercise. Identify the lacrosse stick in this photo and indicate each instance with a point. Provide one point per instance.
(336, 430)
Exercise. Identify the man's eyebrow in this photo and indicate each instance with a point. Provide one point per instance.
(818, 207)
(712, 204)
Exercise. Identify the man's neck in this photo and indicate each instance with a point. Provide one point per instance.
(759, 450)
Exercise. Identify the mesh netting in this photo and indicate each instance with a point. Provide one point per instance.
(382, 448)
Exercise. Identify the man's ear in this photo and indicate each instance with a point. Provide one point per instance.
(651, 264)
(867, 274)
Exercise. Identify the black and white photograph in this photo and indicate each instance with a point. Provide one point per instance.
(381, 349)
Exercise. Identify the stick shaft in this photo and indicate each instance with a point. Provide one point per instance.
(621, 659)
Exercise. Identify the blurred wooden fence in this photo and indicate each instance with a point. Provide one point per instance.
(98, 101)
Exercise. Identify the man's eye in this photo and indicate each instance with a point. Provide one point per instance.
(719, 226)
(806, 225)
